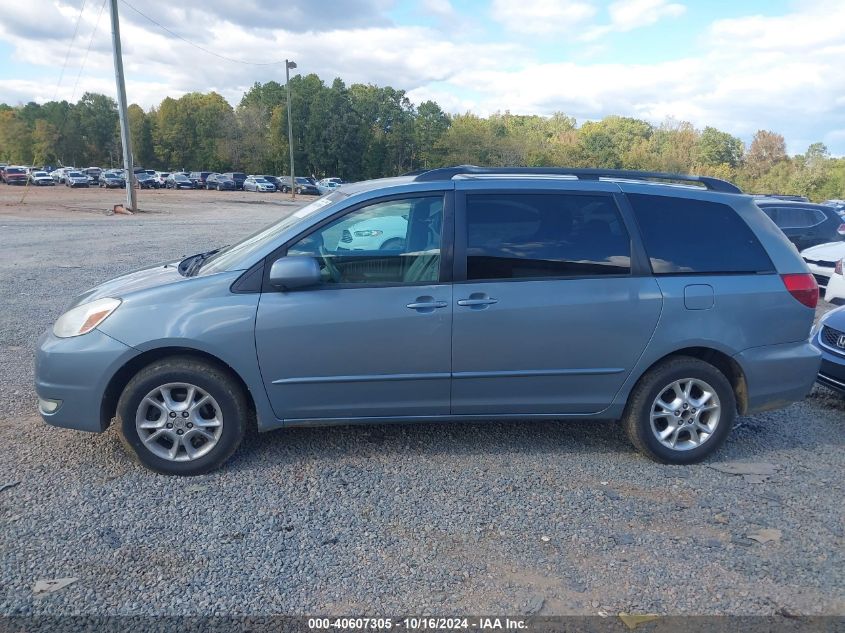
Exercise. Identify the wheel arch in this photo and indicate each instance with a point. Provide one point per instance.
(721, 361)
(118, 382)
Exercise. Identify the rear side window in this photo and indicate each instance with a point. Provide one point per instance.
(795, 217)
(684, 236)
(525, 236)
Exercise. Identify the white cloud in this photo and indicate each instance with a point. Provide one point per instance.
(627, 15)
(542, 17)
(781, 73)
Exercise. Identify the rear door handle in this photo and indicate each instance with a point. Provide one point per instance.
(478, 301)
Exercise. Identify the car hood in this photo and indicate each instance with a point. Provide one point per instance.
(158, 275)
(829, 252)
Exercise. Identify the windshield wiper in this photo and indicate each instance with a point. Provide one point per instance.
(191, 265)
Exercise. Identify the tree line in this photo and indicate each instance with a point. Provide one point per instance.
(365, 131)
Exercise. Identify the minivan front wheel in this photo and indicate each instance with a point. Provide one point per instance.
(680, 412)
(182, 416)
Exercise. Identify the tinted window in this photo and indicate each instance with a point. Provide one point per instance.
(396, 241)
(693, 236)
(796, 217)
(522, 236)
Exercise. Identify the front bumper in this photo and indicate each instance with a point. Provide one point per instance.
(75, 372)
(832, 370)
(835, 292)
(778, 375)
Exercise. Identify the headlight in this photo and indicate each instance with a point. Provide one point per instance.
(369, 233)
(84, 318)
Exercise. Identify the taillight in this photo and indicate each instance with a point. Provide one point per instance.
(838, 268)
(803, 287)
(841, 229)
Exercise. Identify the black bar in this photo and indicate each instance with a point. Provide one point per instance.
(447, 173)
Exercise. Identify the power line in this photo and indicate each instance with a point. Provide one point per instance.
(202, 48)
(90, 42)
(70, 46)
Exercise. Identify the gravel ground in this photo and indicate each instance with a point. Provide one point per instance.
(554, 518)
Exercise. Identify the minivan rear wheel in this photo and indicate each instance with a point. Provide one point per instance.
(680, 411)
(182, 416)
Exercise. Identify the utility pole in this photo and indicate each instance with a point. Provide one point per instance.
(131, 199)
(288, 66)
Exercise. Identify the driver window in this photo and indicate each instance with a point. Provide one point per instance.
(396, 241)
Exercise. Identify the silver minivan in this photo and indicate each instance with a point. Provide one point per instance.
(668, 302)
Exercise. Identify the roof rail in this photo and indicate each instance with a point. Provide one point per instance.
(447, 173)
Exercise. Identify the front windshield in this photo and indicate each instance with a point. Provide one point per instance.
(258, 241)
(260, 180)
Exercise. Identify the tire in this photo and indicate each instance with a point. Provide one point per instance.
(658, 382)
(228, 405)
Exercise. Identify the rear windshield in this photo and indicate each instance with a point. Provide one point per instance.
(14, 170)
(684, 236)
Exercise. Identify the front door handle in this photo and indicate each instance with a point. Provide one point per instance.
(426, 304)
(478, 301)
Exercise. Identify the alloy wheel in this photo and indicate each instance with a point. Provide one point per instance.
(685, 414)
(179, 422)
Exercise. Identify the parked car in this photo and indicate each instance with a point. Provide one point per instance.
(93, 174)
(41, 178)
(778, 196)
(198, 178)
(237, 177)
(161, 176)
(825, 262)
(839, 205)
(515, 298)
(257, 183)
(14, 175)
(277, 182)
(111, 180)
(221, 182)
(804, 223)
(303, 185)
(145, 181)
(829, 337)
(327, 186)
(58, 175)
(375, 234)
(178, 181)
(75, 179)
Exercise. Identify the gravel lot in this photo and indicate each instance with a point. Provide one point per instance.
(555, 518)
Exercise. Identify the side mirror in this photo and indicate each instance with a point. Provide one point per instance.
(290, 273)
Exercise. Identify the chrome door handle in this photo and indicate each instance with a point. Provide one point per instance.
(477, 302)
(423, 305)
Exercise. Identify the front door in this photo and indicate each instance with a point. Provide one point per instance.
(373, 339)
(549, 318)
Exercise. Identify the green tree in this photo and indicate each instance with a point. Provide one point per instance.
(718, 148)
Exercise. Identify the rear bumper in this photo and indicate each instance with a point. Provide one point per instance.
(778, 375)
(72, 374)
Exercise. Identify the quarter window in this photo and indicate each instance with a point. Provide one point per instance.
(396, 241)
(682, 235)
(525, 236)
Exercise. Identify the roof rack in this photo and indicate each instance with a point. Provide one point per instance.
(447, 173)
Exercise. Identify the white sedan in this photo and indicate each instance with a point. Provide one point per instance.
(383, 233)
(825, 262)
(41, 178)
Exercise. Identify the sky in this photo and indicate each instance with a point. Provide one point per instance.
(739, 65)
